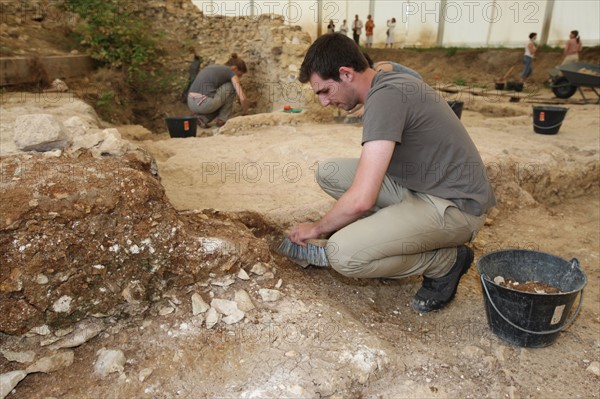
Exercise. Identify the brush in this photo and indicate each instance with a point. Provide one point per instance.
(313, 254)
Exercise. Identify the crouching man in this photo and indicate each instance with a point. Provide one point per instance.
(417, 193)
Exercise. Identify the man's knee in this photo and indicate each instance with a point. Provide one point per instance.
(335, 173)
(341, 260)
(326, 173)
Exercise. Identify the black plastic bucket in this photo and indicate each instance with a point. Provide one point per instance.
(548, 119)
(184, 126)
(516, 86)
(457, 107)
(523, 318)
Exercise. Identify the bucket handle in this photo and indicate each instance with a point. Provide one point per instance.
(574, 262)
(548, 127)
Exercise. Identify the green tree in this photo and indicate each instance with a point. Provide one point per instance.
(115, 35)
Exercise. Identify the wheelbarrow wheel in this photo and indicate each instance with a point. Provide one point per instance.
(562, 88)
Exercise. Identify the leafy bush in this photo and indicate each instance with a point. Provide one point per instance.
(115, 36)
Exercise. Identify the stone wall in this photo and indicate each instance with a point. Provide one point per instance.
(272, 50)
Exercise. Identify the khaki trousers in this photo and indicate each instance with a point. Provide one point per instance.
(571, 58)
(219, 106)
(408, 233)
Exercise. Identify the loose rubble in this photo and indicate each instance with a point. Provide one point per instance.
(52, 363)
(9, 381)
(212, 318)
(594, 368)
(82, 332)
(198, 305)
(20, 357)
(243, 300)
(109, 361)
(91, 184)
(269, 295)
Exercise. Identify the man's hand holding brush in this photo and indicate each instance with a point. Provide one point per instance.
(302, 232)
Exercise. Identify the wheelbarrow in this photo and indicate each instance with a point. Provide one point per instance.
(567, 79)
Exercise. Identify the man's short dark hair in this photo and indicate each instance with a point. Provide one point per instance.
(328, 53)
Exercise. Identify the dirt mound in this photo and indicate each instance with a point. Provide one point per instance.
(84, 237)
(476, 67)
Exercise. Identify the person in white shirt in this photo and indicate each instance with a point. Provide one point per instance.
(344, 28)
(391, 24)
(530, 49)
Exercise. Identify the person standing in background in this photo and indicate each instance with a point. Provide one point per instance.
(572, 48)
(530, 49)
(369, 26)
(357, 26)
(344, 28)
(331, 27)
(391, 24)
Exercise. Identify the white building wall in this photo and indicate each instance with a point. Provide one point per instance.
(581, 15)
(499, 23)
(466, 23)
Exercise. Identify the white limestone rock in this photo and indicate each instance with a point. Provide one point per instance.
(235, 317)
(92, 138)
(229, 309)
(363, 362)
(52, 363)
(243, 275)
(111, 145)
(59, 86)
(109, 361)
(225, 281)
(212, 318)
(40, 132)
(8, 381)
(83, 332)
(594, 368)
(198, 305)
(165, 310)
(259, 269)
(76, 126)
(224, 306)
(145, 373)
(243, 301)
(269, 295)
(39, 330)
(62, 304)
(19, 357)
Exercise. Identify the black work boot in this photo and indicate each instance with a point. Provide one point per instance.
(435, 293)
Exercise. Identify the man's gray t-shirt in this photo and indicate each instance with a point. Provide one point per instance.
(434, 153)
(210, 79)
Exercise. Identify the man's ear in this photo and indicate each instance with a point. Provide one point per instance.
(347, 74)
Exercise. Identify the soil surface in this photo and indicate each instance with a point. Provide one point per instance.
(534, 287)
(330, 336)
(337, 337)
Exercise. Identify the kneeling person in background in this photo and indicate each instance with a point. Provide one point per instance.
(212, 93)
